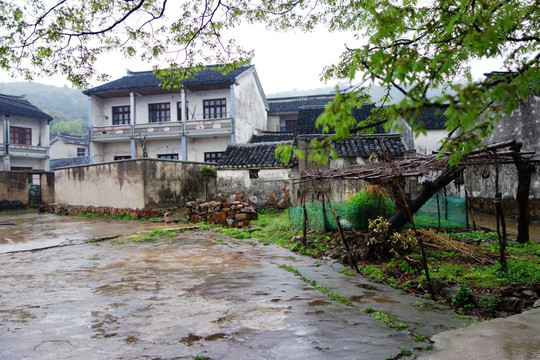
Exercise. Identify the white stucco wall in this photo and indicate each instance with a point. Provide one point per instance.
(250, 109)
(273, 123)
(197, 146)
(99, 185)
(105, 152)
(426, 144)
(59, 150)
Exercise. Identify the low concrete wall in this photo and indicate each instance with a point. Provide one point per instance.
(133, 184)
(271, 190)
(14, 186)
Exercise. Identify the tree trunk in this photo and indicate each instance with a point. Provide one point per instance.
(525, 170)
(430, 188)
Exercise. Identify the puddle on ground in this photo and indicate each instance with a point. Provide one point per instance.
(369, 296)
(34, 231)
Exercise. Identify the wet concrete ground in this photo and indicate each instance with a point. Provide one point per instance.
(193, 295)
(27, 230)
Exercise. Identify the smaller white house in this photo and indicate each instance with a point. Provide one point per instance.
(253, 169)
(24, 140)
(283, 112)
(434, 122)
(64, 145)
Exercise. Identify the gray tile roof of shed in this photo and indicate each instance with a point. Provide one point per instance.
(365, 145)
(67, 138)
(17, 105)
(293, 104)
(147, 80)
(68, 162)
(271, 136)
(259, 155)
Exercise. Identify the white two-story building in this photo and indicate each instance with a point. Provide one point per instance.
(135, 117)
(24, 140)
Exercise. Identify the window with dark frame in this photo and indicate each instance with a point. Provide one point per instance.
(122, 157)
(215, 108)
(168, 156)
(213, 157)
(159, 112)
(253, 173)
(290, 125)
(121, 115)
(20, 135)
(81, 151)
(179, 111)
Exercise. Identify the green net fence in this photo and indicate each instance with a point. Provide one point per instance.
(439, 212)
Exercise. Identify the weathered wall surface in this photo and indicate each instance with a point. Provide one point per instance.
(133, 184)
(523, 125)
(171, 183)
(271, 189)
(14, 186)
(118, 184)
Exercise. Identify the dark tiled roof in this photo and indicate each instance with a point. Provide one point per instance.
(147, 80)
(67, 138)
(307, 117)
(16, 105)
(293, 104)
(433, 118)
(365, 145)
(271, 136)
(260, 155)
(67, 162)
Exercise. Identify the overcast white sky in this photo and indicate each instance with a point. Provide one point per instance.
(284, 61)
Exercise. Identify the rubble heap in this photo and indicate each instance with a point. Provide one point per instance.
(236, 213)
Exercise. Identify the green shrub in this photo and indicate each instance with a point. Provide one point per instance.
(208, 172)
(463, 297)
(363, 207)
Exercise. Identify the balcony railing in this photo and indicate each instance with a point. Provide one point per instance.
(16, 150)
(163, 129)
(173, 128)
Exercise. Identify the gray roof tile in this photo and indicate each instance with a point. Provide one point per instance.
(16, 105)
(293, 104)
(260, 155)
(147, 80)
(271, 136)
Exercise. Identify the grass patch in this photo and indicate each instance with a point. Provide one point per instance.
(331, 295)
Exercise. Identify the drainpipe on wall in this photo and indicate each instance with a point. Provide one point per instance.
(184, 119)
(233, 123)
(132, 117)
(47, 144)
(7, 165)
(90, 142)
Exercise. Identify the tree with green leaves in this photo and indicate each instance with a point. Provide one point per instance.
(408, 45)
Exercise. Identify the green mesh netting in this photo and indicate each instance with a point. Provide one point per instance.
(443, 212)
(450, 213)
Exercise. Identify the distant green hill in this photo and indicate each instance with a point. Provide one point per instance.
(68, 107)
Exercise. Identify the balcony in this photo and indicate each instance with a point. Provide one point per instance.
(208, 127)
(111, 132)
(163, 129)
(35, 152)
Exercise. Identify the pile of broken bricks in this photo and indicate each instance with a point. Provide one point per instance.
(237, 213)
